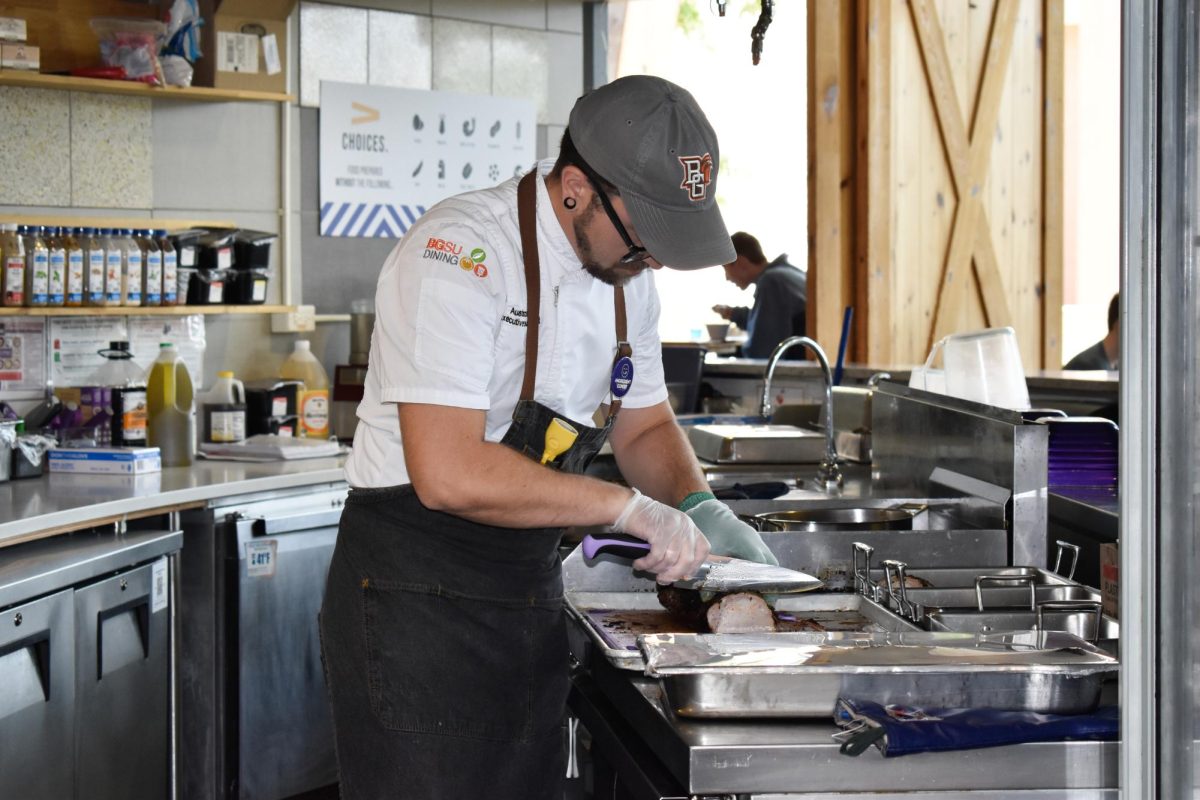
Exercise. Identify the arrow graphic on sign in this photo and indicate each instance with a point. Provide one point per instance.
(369, 114)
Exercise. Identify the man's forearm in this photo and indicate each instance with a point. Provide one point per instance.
(660, 462)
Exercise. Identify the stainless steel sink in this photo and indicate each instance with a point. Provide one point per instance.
(1080, 622)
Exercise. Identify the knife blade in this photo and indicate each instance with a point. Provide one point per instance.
(716, 573)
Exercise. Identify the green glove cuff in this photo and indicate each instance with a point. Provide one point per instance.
(694, 499)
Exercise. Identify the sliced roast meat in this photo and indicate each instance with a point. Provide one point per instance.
(744, 612)
(685, 607)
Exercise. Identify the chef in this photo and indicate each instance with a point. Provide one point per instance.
(505, 319)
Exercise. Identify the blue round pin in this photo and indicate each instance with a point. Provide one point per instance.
(622, 376)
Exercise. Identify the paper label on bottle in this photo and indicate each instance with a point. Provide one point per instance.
(314, 413)
(133, 278)
(39, 293)
(159, 586)
(112, 278)
(75, 277)
(14, 281)
(227, 426)
(154, 278)
(95, 276)
(170, 278)
(260, 558)
(58, 276)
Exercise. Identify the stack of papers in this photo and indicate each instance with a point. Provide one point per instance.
(271, 447)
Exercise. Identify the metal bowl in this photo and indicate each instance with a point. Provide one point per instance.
(837, 519)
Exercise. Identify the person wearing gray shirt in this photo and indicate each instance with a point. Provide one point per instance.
(780, 297)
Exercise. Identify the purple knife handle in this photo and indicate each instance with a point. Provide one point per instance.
(617, 544)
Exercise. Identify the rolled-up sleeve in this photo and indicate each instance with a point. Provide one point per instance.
(437, 317)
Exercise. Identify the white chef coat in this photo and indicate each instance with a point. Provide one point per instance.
(450, 322)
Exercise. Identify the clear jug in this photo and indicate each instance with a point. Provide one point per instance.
(169, 396)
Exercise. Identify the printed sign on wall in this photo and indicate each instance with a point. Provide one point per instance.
(389, 154)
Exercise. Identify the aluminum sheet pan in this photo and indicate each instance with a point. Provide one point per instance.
(802, 674)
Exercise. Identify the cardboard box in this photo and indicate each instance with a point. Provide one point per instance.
(106, 460)
(12, 29)
(245, 46)
(20, 56)
(1110, 574)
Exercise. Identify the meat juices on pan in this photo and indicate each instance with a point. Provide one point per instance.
(743, 612)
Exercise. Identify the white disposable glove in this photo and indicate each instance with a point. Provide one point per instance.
(677, 547)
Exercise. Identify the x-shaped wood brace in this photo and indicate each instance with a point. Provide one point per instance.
(971, 234)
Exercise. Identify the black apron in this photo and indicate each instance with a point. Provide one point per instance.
(444, 640)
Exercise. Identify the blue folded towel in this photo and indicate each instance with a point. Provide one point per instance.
(899, 730)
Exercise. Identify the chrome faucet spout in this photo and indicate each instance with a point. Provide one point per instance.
(829, 474)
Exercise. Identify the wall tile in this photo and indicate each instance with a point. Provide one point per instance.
(565, 54)
(333, 47)
(401, 50)
(521, 13)
(564, 15)
(409, 6)
(35, 142)
(111, 151)
(462, 57)
(218, 156)
(520, 67)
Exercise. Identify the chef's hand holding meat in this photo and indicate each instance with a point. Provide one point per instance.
(728, 535)
(677, 547)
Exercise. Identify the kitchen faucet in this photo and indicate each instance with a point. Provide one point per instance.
(829, 474)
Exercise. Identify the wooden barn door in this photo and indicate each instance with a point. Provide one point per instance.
(954, 179)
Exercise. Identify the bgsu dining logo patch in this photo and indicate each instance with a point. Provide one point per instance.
(697, 175)
(474, 262)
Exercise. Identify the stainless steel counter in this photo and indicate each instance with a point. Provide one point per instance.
(61, 500)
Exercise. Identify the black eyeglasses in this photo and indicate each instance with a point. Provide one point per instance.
(636, 254)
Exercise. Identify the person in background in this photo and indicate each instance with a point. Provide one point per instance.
(1105, 353)
(503, 317)
(780, 297)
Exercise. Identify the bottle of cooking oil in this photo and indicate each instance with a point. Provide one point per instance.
(75, 275)
(12, 263)
(170, 423)
(312, 404)
(37, 266)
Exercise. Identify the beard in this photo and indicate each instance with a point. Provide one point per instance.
(614, 274)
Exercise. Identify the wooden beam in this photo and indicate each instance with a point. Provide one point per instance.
(828, 95)
(941, 86)
(874, 292)
(1054, 36)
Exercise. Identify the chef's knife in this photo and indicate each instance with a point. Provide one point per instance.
(716, 574)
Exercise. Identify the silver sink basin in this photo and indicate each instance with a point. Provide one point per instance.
(756, 444)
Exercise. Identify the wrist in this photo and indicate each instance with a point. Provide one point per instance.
(694, 499)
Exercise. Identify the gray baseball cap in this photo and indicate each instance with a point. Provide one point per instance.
(649, 138)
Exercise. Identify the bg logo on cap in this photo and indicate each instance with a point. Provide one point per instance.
(697, 175)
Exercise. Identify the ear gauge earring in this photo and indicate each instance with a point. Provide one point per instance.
(570, 203)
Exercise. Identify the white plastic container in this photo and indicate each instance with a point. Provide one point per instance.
(313, 402)
(985, 366)
(223, 410)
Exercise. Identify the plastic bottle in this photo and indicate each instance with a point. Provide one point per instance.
(170, 269)
(75, 276)
(55, 245)
(223, 409)
(170, 422)
(93, 266)
(37, 267)
(12, 264)
(152, 285)
(127, 384)
(133, 272)
(312, 406)
(114, 267)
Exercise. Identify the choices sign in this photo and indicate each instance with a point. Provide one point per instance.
(389, 154)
